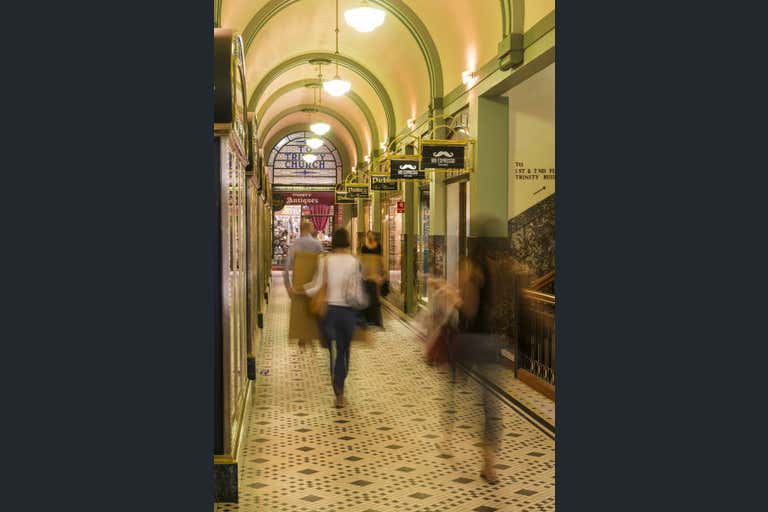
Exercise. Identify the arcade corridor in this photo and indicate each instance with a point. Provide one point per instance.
(384, 451)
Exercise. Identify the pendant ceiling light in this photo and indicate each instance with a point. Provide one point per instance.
(314, 142)
(319, 128)
(337, 86)
(364, 18)
(309, 158)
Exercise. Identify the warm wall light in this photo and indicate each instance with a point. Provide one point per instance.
(314, 142)
(411, 123)
(309, 158)
(468, 78)
(320, 128)
(364, 18)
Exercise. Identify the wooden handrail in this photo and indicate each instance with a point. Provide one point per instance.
(541, 282)
(546, 298)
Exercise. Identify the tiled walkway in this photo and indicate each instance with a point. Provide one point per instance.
(385, 451)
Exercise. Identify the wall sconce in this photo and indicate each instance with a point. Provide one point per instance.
(469, 78)
(411, 123)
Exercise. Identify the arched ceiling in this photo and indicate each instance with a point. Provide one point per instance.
(343, 106)
(396, 71)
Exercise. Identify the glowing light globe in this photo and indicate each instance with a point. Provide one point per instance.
(314, 142)
(320, 128)
(364, 18)
(337, 86)
(309, 158)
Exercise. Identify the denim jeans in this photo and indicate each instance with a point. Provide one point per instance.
(338, 326)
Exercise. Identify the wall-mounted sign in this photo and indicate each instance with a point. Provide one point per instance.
(382, 183)
(405, 167)
(358, 191)
(401, 207)
(342, 198)
(443, 155)
(307, 198)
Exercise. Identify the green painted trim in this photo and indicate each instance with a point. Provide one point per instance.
(325, 110)
(397, 7)
(352, 95)
(346, 162)
(424, 40)
(504, 24)
(517, 17)
(346, 62)
(217, 13)
(539, 30)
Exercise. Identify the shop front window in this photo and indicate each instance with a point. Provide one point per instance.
(423, 246)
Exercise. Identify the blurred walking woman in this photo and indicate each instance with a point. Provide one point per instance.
(338, 277)
(374, 278)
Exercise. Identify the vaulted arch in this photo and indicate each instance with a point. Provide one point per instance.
(346, 62)
(346, 161)
(397, 8)
(352, 95)
(325, 110)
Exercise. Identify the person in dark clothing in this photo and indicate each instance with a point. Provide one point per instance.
(373, 270)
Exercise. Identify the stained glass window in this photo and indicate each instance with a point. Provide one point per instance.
(286, 166)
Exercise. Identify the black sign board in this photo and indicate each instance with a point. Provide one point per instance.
(357, 191)
(342, 198)
(443, 155)
(405, 167)
(382, 183)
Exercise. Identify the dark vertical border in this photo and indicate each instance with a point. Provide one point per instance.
(216, 276)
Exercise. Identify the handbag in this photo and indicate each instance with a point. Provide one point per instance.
(354, 291)
(385, 288)
(318, 303)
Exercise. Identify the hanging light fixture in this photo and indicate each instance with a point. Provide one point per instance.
(320, 128)
(337, 86)
(309, 158)
(364, 18)
(314, 142)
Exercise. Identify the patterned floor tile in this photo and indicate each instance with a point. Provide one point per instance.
(388, 450)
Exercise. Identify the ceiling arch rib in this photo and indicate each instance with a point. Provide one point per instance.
(342, 106)
(346, 62)
(351, 95)
(322, 109)
(398, 8)
(346, 162)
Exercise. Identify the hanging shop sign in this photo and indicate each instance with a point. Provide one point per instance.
(405, 167)
(342, 198)
(443, 155)
(358, 191)
(307, 198)
(229, 98)
(401, 207)
(382, 183)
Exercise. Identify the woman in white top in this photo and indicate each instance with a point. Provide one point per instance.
(338, 325)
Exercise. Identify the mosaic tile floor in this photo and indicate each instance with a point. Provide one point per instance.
(526, 395)
(386, 451)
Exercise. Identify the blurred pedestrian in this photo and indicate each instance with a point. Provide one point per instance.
(339, 281)
(373, 271)
(301, 323)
